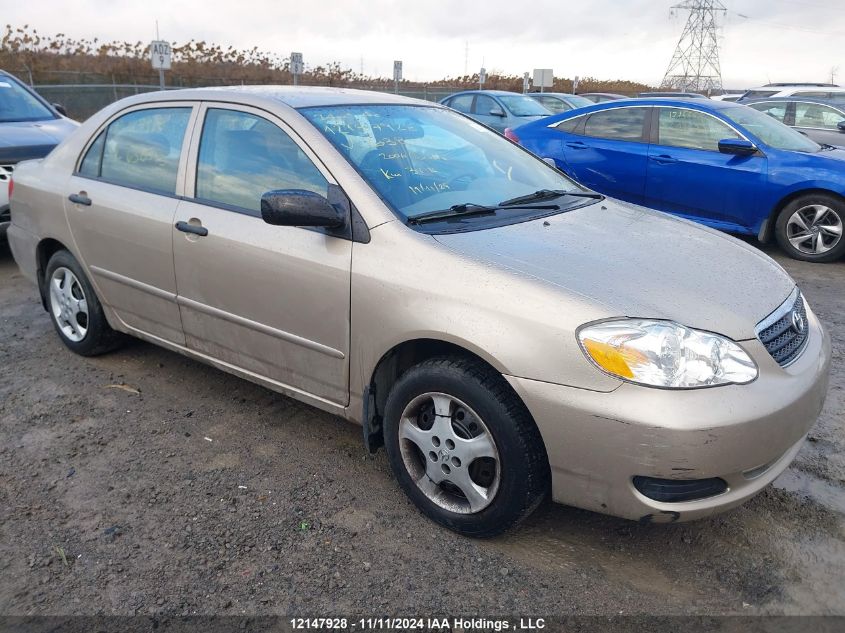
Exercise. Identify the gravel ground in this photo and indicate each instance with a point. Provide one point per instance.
(142, 482)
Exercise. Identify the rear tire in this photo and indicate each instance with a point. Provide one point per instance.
(74, 308)
(464, 447)
(810, 228)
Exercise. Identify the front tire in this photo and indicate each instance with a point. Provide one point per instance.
(74, 308)
(810, 228)
(463, 446)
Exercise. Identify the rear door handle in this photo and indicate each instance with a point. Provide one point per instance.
(185, 227)
(664, 159)
(80, 198)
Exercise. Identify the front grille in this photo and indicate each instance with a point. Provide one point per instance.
(6, 172)
(785, 332)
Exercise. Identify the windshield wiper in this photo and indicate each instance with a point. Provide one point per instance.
(470, 208)
(548, 194)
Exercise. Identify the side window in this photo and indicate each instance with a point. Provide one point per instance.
(816, 115)
(243, 156)
(774, 110)
(679, 127)
(812, 93)
(93, 158)
(461, 103)
(142, 149)
(569, 125)
(618, 124)
(484, 105)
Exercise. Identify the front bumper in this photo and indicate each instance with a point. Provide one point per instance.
(745, 434)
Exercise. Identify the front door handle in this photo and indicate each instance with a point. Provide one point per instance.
(664, 159)
(80, 198)
(186, 227)
(577, 145)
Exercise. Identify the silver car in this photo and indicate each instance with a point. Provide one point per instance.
(497, 109)
(503, 332)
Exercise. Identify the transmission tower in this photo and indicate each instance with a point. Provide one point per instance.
(695, 64)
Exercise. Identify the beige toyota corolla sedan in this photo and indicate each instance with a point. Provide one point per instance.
(505, 333)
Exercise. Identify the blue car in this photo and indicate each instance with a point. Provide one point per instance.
(719, 163)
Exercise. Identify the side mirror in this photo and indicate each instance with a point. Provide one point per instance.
(841, 125)
(497, 112)
(298, 207)
(737, 147)
(60, 109)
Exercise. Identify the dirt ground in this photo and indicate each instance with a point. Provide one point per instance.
(142, 482)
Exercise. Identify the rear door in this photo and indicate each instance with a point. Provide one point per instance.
(689, 176)
(609, 152)
(123, 197)
(272, 301)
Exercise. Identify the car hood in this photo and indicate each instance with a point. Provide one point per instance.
(32, 139)
(635, 262)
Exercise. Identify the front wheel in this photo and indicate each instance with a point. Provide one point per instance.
(463, 447)
(810, 228)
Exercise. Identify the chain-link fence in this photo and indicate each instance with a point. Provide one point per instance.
(83, 100)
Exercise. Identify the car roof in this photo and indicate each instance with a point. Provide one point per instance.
(809, 87)
(292, 96)
(603, 94)
(485, 92)
(550, 94)
(693, 103)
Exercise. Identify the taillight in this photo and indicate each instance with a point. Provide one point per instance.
(510, 135)
(11, 186)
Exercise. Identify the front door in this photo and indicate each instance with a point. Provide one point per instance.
(609, 154)
(120, 208)
(689, 176)
(269, 300)
(489, 112)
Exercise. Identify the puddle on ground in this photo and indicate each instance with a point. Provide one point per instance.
(824, 493)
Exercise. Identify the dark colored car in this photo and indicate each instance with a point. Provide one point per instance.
(29, 128)
(602, 97)
(722, 164)
(821, 120)
(497, 109)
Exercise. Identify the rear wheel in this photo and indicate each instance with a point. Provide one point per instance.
(463, 447)
(810, 228)
(74, 308)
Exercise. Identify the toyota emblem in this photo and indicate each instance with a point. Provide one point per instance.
(797, 322)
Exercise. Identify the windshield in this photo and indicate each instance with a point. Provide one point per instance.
(773, 133)
(421, 159)
(18, 104)
(520, 105)
(577, 101)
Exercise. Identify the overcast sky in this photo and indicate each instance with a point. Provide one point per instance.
(777, 40)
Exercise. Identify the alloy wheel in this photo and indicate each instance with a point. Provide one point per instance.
(449, 453)
(814, 229)
(68, 304)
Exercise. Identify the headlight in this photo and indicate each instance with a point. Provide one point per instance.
(665, 354)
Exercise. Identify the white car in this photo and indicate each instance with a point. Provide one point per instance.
(816, 91)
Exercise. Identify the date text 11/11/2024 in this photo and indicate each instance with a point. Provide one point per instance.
(442, 625)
